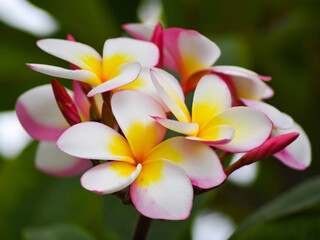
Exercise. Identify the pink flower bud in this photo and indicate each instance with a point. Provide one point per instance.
(65, 103)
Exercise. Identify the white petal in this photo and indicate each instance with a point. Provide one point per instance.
(298, 154)
(39, 114)
(94, 140)
(279, 119)
(200, 162)
(110, 177)
(76, 53)
(80, 75)
(51, 160)
(129, 50)
(162, 191)
(128, 72)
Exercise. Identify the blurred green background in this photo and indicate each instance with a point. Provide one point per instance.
(276, 38)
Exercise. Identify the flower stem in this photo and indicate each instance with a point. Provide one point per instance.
(142, 228)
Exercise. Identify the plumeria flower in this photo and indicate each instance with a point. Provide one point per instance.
(298, 154)
(191, 54)
(160, 174)
(121, 62)
(40, 116)
(213, 121)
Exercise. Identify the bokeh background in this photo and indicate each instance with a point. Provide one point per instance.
(264, 201)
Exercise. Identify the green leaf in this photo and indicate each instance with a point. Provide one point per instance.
(57, 232)
(304, 196)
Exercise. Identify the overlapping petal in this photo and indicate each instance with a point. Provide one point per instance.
(199, 161)
(170, 96)
(110, 177)
(279, 119)
(51, 160)
(122, 50)
(133, 111)
(39, 114)
(126, 73)
(251, 127)
(162, 191)
(80, 75)
(190, 129)
(298, 154)
(247, 84)
(95, 140)
(211, 97)
(214, 135)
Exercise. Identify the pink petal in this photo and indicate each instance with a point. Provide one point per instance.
(190, 50)
(51, 160)
(39, 114)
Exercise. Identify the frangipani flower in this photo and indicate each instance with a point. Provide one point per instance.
(40, 116)
(160, 175)
(191, 55)
(213, 121)
(121, 62)
(297, 155)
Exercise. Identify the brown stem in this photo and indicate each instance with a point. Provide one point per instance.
(223, 156)
(142, 228)
(95, 162)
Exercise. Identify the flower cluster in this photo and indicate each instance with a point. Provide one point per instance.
(124, 102)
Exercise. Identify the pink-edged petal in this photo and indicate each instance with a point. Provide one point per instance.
(39, 114)
(247, 84)
(81, 101)
(279, 119)
(214, 135)
(80, 75)
(211, 97)
(162, 191)
(51, 160)
(110, 177)
(199, 161)
(132, 111)
(169, 95)
(95, 140)
(76, 53)
(127, 73)
(190, 50)
(122, 50)
(298, 154)
(251, 126)
(139, 31)
(181, 127)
